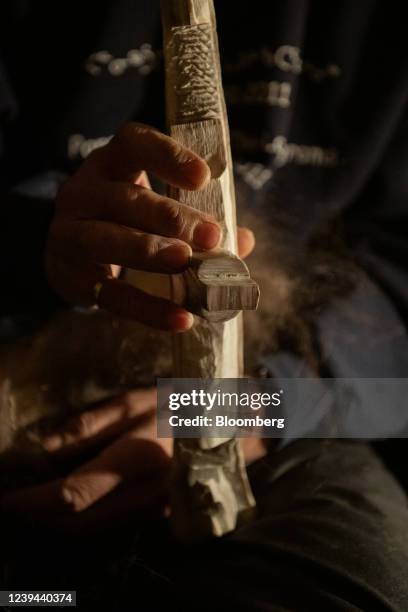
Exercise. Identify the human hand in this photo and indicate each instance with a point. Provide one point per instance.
(107, 216)
(127, 476)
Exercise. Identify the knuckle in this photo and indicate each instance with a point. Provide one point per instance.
(122, 194)
(128, 406)
(77, 496)
(180, 154)
(142, 129)
(150, 245)
(134, 195)
(83, 426)
(132, 132)
(174, 218)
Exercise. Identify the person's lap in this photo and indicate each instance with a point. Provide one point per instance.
(331, 533)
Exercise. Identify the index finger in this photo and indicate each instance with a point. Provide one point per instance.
(139, 147)
(132, 457)
(129, 458)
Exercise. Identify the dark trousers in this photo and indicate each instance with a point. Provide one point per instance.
(331, 534)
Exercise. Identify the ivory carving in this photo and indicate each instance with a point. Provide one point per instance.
(210, 489)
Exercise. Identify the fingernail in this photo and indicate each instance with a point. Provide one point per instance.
(207, 235)
(73, 501)
(176, 256)
(200, 173)
(68, 498)
(52, 443)
(181, 320)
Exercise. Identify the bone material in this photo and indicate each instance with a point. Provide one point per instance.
(210, 489)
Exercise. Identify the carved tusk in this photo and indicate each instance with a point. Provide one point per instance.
(210, 488)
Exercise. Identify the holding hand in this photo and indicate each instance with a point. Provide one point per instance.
(106, 216)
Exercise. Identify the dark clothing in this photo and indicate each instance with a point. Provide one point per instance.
(316, 97)
(331, 535)
(316, 93)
